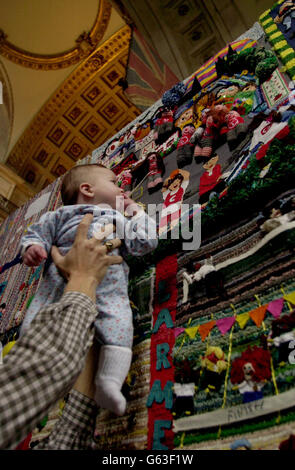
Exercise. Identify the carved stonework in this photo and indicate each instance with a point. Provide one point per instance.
(86, 43)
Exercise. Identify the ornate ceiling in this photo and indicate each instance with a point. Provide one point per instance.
(85, 111)
(64, 61)
(84, 44)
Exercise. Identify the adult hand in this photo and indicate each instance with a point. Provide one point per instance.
(88, 258)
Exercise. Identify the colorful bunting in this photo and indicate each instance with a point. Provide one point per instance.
(242, 319)
(205, 329)
(275, 307)
(290, 298)
(192, 331)
(225, 324)
(178, 331)
(258, 315)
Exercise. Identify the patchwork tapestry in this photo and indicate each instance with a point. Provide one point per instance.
(214, 305)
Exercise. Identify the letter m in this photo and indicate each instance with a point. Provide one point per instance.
(158, 395)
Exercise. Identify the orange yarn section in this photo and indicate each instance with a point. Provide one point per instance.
(205, 329)
(258, 314)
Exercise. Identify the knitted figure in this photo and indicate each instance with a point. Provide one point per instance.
(204, 137)
(286, 14)
(173, 192)
(207, 273)
(213, 364)
(184, 152)
(184, 398)
(156, 169)
(93, 189)
(227, 122)
(124, 181)
(163, 126)
(139, 131)
(251, 371)
(276, 219)
(282, 332)
(211, 180)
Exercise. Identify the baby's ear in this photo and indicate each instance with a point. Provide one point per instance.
(86, 189)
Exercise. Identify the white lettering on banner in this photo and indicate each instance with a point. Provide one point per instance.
(237, 413)
(244, 411)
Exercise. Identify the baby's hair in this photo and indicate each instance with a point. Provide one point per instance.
(72, 180)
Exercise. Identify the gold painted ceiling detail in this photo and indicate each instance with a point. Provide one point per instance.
(85, 44)
(85, 111)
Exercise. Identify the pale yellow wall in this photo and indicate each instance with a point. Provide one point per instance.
(251, 9)
(46, 27)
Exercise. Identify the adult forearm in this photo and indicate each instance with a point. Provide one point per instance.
(44, 365)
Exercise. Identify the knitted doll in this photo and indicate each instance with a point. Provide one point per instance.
(235, 129)
(220, 121)
(251, 371)
(156, 170)
(211, 179)
(124, 180)
(164, 126)
(173, 191)
(184, 152)
(286, 14)
(214, 365)
(204, 137)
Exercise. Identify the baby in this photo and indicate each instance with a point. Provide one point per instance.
(94, 189)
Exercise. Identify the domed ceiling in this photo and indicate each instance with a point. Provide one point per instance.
(64, 61)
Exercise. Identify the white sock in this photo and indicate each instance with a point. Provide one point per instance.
(108, 395)
(113, 367)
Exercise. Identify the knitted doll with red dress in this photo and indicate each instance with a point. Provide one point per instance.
(184, 152)
(211, 179)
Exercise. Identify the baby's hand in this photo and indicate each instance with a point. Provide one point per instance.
(130, 206)
(34, 255)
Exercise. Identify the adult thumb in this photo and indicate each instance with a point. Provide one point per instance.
(56, 256)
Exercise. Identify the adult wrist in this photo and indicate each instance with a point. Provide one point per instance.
(82, 282)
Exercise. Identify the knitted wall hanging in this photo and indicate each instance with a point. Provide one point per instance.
(211, 365)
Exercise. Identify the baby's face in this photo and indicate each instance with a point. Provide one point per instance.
(104, 186)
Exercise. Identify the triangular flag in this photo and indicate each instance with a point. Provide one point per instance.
(290, 298)
(258, 314)
(225, 324)
(205, 329)
(192, 331)
(242, 319)
(275, 307)
(178, 331)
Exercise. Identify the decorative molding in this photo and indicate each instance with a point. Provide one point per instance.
(85, 44)
(79, 117)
